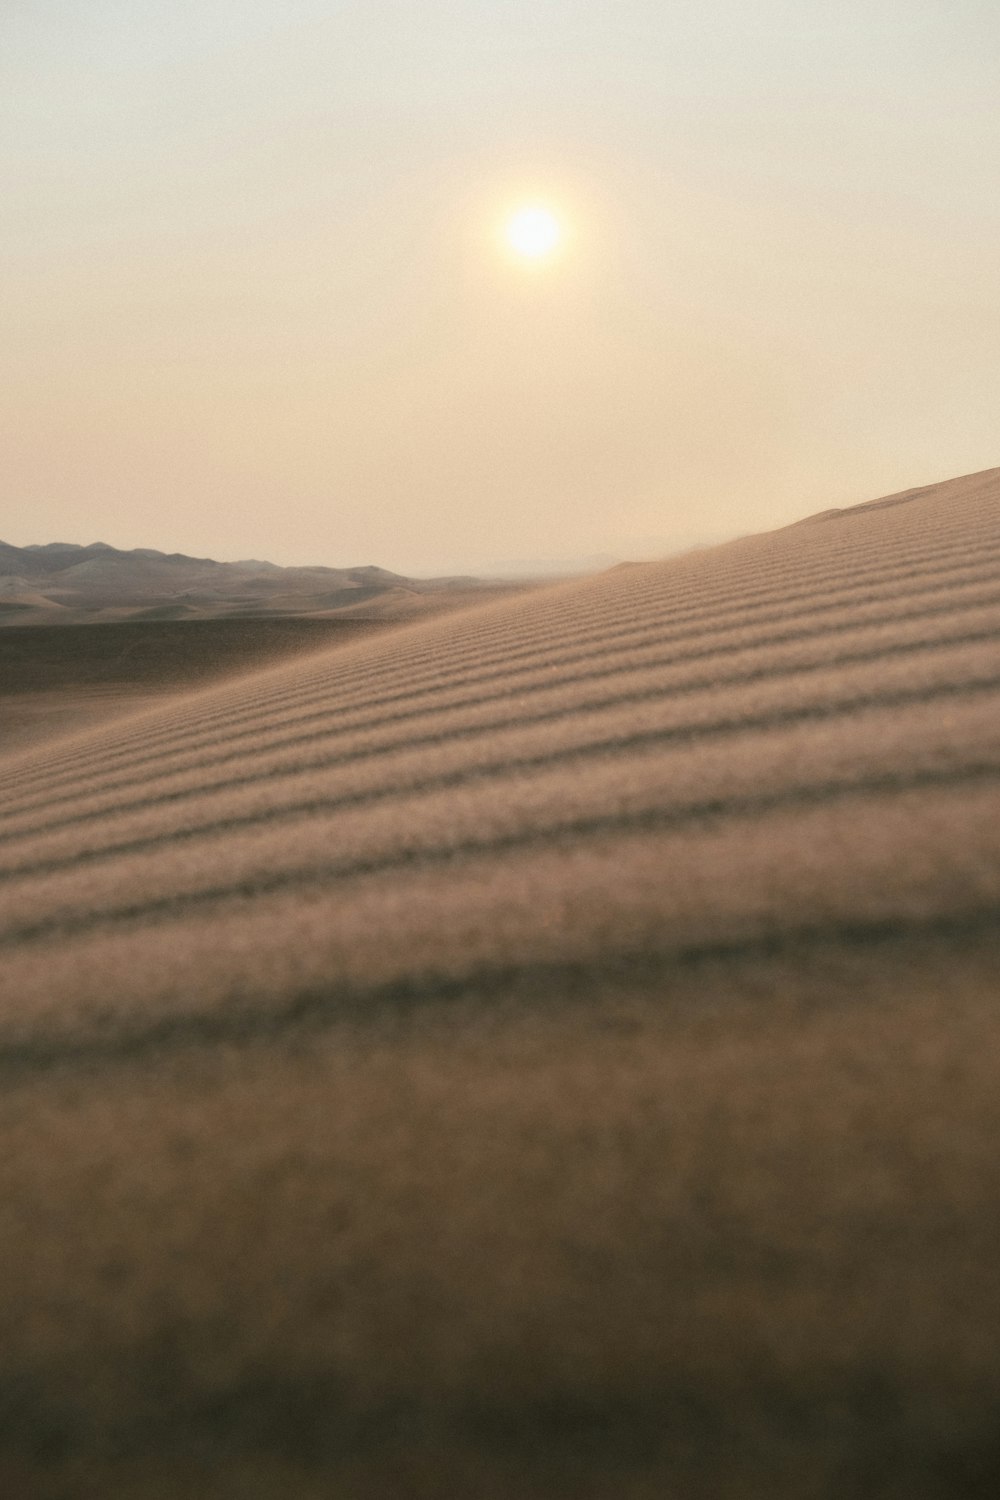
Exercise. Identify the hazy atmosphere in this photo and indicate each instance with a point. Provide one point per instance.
(470, 1031)
(263, 296)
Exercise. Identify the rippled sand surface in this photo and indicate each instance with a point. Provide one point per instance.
(549, 1051)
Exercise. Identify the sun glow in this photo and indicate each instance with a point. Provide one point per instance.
(533, 233)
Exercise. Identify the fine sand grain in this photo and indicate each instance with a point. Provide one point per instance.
(545, 1052)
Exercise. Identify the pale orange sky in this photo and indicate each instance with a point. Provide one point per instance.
(254, 304)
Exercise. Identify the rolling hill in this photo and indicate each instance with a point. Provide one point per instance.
(63, 583)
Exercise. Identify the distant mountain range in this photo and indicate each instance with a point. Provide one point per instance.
(65, 582)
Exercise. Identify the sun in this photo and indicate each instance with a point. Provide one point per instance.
(533, 233)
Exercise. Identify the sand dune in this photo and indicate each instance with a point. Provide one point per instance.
(544, 1051)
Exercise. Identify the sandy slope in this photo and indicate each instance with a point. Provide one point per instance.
(550, 1051)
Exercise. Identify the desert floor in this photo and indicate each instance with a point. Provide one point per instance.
(57, 679)
(550, 1052)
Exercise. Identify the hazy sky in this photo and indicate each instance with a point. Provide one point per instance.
(254, 302)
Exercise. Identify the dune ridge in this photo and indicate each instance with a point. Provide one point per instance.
(548, 1050)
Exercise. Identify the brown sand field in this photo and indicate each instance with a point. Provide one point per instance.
(550, 1052)
(57, 679)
